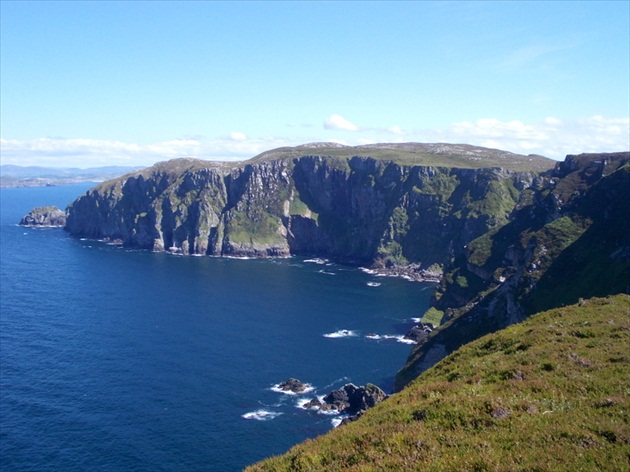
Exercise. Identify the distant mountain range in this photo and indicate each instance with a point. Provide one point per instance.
(36, 176)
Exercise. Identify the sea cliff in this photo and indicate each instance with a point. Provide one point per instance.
(567, 239)
(506, 235)
(379, 206)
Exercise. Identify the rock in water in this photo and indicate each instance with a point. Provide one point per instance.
(44, 216)
(293, 385)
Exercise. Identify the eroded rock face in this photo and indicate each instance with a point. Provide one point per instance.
(44, 216)
(358, 210)
(567, 240)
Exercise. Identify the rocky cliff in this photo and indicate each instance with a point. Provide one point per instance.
(383, 205)
(568, 238)
(44, 216)
(512, 234)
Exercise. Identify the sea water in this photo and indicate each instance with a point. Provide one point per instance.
(114, 359)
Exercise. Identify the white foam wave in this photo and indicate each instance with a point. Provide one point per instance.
(404, 340)
(416, 320)
(337, 421)
(327, 273)
(396, 337)
(368, 271)
(342, 333)
(373, 284)
(276, 388)
(317, 260)
(261, 415)
(301, 403)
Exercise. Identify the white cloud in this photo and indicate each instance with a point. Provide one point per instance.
(61, 152)
(338, 122)
(396, 130)
(552, 137)
(238, 136)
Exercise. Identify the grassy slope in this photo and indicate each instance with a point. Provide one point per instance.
(551, 393)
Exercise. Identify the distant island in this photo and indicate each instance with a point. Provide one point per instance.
(35, 176)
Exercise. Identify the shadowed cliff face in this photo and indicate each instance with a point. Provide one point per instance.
(568, 238)
(355, 209)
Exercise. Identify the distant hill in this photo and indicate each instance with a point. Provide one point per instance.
(448, 155)
(36, 176)
(550, 393)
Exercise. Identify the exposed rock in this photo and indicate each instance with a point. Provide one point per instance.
(293, 385)
(351, 399)
(314, 403)
(44, 216)
(418, 332)
(400, 219)
(558, 246)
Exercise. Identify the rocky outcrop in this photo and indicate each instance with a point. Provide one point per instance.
(44, 216)
(377, 212)
(419, 332)
(350, 400)
(568, 239)
(293, 385)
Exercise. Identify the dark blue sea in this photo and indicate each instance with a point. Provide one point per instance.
(120, 360)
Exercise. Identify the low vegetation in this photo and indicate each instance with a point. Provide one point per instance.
(551, 393)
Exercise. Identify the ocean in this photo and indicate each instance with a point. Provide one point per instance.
(114, 359)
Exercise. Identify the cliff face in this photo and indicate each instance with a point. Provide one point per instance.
(44, 216)
(356, 209)
(511, 241)
(568, 238)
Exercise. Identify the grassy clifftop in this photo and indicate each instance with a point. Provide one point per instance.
(551, 393)
(462, 156)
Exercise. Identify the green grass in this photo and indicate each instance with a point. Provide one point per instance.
(551, 393)
(262, 229)
(433, 317)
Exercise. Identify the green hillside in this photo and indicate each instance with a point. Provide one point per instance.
(551, 393)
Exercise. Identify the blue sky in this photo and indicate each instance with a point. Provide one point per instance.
(131, 83)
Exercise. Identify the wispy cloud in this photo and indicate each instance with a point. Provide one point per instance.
(61, 152)
(338, 122)
(532, 54)
(551, 137)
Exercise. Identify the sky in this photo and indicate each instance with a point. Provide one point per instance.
(85, 84)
